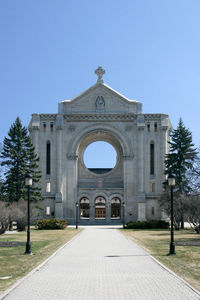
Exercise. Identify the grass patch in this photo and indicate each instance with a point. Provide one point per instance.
(186, 262)
(14, 263)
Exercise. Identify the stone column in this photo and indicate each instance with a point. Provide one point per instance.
(129, 185)
(141, 211)
(59, 206)
(163, 151)
(92, 213)
(34, 128)
(71, 184)
(141, 158)
(59, 198)
(108, 211)
(141, 194)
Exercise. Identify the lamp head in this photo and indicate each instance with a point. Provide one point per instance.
(171, 180)
(28, 180)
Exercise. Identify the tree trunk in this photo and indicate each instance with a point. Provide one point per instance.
(182, 223)
(11, 226)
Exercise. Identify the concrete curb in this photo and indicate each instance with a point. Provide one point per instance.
(15, 285)
(163, 266)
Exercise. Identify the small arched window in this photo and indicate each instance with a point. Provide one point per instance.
(100, 208)
(152, 160)
(84, 208)
(48, 158)
(115, 208)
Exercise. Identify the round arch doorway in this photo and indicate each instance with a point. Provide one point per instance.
(100, 181)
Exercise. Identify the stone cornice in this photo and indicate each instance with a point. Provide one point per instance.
(103, 117)
(100, 117)
(154, 116)
(48, 116)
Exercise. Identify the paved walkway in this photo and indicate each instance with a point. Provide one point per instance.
(102, 264)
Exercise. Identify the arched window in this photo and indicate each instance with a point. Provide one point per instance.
(152, 158)
(115, 208)
(100, 208)
(48, 158)
(84, 208)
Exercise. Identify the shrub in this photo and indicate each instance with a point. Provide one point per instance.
(51, 224)
(152, 224)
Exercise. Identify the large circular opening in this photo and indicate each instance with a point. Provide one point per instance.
(100, 157)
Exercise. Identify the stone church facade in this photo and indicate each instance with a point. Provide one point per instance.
(132, 188)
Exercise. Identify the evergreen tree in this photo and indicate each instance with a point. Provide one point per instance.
(182, 154)
(18, 158)
(178, 162)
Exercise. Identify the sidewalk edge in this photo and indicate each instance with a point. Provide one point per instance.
(164, 267)
(16, 284)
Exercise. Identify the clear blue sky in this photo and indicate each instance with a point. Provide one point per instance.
(100, 155)
(50, 49)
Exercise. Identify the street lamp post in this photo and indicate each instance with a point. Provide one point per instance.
(171, 183)
(28, 183)
(76, 215)
(123, 204)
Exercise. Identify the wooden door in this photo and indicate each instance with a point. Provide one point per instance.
(100, 213)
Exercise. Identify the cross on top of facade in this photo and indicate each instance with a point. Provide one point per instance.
(100, 72)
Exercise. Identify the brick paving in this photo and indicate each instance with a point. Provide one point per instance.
(102, 264)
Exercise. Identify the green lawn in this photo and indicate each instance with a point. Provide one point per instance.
(14, 263)
(185, 263)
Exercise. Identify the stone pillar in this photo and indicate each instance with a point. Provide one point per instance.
(163, 151)
(59, 128)
(141, 211)
(59, 198)
(34, 128)
(141, 126)
(129, 185)
(141, 174)
(71, 184)
(59, 206)
(92, 213)
(108, 212)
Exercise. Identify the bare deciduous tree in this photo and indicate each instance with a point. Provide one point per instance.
(16, 212)
(4, 217)
(193, 212)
